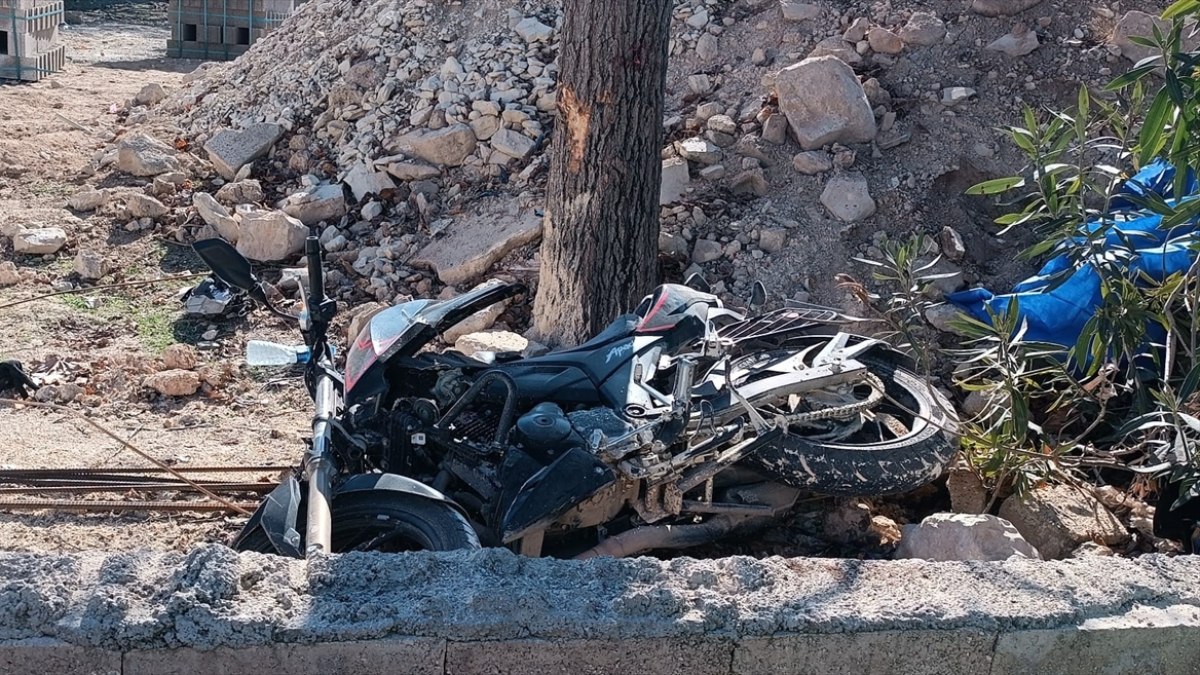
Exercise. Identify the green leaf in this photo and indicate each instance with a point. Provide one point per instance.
(1185, 212)
(1128, 78)
(1180, 8)
(996, 186)
(1152, 137)
(1174, 88)
(1143, 41)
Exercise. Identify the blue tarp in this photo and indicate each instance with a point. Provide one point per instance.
(1056, 312)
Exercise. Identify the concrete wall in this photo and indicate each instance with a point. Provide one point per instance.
(222, 29)
(214, 611)
(30, 31)
(1166, 649)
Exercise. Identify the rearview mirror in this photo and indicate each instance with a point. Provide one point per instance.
(225, 262)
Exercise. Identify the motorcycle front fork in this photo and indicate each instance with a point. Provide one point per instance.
(319, 470)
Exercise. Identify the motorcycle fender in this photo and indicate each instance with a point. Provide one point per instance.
(277, 516)
(390, 482)
(554, 490)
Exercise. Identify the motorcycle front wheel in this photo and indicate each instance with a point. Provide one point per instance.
(385, 521)
(877, 459)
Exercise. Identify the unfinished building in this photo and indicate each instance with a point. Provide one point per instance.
(28, 33)
(221, 29)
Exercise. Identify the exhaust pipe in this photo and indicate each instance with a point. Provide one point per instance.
(648, 538)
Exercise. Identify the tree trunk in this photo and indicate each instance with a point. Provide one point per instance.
(600, 240)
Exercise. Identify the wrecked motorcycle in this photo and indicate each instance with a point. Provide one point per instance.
(681, 423)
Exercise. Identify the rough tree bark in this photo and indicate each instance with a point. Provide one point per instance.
(600, 239)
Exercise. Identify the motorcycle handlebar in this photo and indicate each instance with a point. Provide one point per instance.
(316, 276)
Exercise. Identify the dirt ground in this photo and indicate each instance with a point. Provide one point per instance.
(107, 341)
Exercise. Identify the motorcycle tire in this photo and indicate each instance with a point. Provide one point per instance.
(388, 522)
(860, 468)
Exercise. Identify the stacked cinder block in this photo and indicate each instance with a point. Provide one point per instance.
(221, 29)
(28, 33)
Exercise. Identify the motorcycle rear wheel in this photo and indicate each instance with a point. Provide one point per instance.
(387, 522)
(870, 466)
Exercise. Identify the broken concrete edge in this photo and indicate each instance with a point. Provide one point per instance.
(214, 598)
(1165, 647)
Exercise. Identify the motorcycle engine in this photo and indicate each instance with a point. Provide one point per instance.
(546, 431)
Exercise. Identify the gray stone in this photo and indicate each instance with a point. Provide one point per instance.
(412, 171)
(474, 244)
(912, 651)
(371, 210)
(139, 205)
(9, 276)
(939, 316)
(967, 492)
(496, 342)
(714, 172)
(364, 180)
(772, 239)
(824, 103)
(699, 18)
(706, 250)
(212, 212)
(699, 150)
(270, 235)
(837, 48)
(884, 41)
(707, 48)
(485, 126)
(923, 29)
(944, 537)
(241, 192)
(675, 180)
(707, 110)
(672, 245)
(141, 155)
(750, 181)
(812, 162)
(799, 11)
(1014, 44)
(775, 129)
(39, 241)
(700, 83)
(445, 147)
(848, 198)
(88, 200)
(1002, 7)
(532, 30)
(90, 265)
(512, 143)
(230, 149)
(952, 96)
(1140, 24)
(722, 123)
(150, 94)
(1057, 519)
(857, 32)
(324, 203)
(173, 382)
(952, 244)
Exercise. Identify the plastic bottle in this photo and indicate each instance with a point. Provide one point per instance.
(263, 353)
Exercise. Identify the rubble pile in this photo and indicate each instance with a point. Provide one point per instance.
(398, 129)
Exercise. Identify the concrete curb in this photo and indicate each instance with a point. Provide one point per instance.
(1166, 649)
(213, 610)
